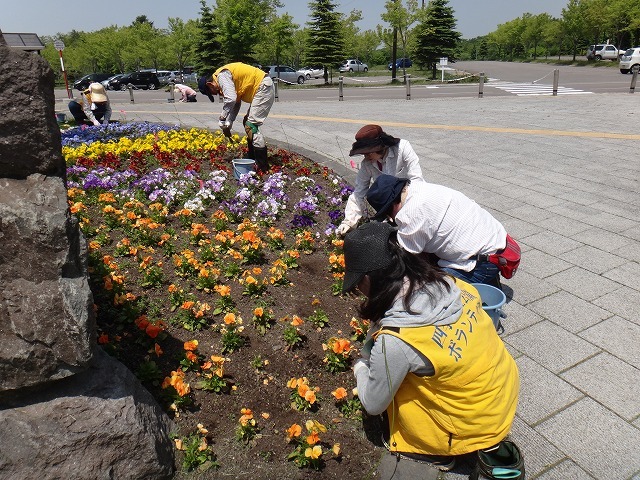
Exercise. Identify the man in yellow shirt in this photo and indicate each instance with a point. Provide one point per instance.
(238, 82)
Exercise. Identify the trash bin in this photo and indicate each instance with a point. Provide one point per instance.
(242, 166)
(61, 117)
(492, 300)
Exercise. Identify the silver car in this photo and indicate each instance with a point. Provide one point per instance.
(353, 66)
(285, 73)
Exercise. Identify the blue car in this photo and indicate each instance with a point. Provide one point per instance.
(401, 62)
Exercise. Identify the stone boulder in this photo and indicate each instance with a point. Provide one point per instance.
(47, 321)
(29, 133)
(99, 424)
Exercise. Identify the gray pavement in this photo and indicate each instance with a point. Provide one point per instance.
(562, 174)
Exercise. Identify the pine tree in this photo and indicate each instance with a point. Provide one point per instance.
(435, 35)
(325, 44)
(208, 50)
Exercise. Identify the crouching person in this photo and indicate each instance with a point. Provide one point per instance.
(436, 365)
(92, 105)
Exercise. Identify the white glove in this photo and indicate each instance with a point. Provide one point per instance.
(222, 123)
(359, 365)
(342, 229)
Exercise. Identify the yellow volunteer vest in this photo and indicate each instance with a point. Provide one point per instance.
(471, 400)
(245, 77)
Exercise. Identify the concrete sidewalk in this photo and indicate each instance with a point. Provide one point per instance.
(562, 174)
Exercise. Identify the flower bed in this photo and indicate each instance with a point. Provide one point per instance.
(221, 295)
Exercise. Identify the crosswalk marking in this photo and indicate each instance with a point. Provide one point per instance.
(529, 89)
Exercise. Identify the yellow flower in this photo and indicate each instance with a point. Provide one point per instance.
(314, 452)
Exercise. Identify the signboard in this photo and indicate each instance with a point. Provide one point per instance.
(443, 60)
(59, 45)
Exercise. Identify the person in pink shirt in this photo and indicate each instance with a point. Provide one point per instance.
(188, 93)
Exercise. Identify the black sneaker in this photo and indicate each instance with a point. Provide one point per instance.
(500, 462)
(443, 463)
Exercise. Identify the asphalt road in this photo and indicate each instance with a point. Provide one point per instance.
(502, 79)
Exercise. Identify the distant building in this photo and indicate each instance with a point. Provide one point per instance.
(29, 42)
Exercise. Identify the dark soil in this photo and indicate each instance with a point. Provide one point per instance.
(261, 387)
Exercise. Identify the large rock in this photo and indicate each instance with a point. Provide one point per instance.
(99, 424)
(29, 134)
(47, 321)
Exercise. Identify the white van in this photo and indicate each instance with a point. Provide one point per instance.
(630, 60)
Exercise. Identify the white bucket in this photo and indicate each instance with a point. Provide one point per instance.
(492, 299)
(242, 166)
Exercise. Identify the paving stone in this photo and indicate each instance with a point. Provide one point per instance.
(539, 454)
(542, 393)
(611, 223)
(633, 232)
(617, 336)
(626, 274)
(517, 317)
(630, 252)
(587, 427)
(570, 312)
(574, 210)
(564, 226)
(551, 243)
(593, 259)
(610, 381)
(551, 346)
(518, 228)
(565, 470)
(624, 302)
(602, 239)
(541, 264)
(526, 288)
(583, 283)
(581, 198)
(529, 213)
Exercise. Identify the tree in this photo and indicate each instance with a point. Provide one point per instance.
(180, 41)
(574, 23)
(242, 25)
(400, 18)
(325, 44)
(279, 37)
(533, 33)
(208, 50)
(435, 35)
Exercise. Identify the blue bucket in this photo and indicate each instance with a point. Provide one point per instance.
(242, 166)
(492, 300)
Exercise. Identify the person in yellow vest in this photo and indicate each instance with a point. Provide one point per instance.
(91, 106)
(433, 360)
(238, 82)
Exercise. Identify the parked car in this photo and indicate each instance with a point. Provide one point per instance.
(84, 82)
(630, 59)
(144, 80)
(164, 76)
(353, 65)
(401, 63)
(286, 73)
(313, 72)
(106, 83)
(603, 52)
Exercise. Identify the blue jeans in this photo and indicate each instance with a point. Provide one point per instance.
(485, 272)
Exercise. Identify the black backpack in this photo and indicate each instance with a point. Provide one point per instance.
(502, 462)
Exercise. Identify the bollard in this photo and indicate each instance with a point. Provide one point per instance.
(407, 80)
(634, 79)
(275, 86)
(172, 97)
(556, 75)
(130, 87)
(340, 81)
(481, 85)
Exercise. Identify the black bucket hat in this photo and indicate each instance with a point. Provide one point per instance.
(383, 192)
(366, 249)
(204, 89)
(371, 138)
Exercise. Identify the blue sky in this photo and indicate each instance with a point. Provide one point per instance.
(48, 17)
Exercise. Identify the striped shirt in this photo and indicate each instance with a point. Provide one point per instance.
(439, 220)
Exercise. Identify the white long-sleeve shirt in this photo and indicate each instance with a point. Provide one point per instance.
(400, 161)
(439, 220)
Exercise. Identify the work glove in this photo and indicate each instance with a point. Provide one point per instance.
(342, 229)
(359, 365)
(223, 122)
(227, 131)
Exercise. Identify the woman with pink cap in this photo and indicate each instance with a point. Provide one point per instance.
(382, 154)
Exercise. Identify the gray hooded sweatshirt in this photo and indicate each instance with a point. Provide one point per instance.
(380, 372)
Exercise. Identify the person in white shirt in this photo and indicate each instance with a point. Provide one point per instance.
(187, 93)
(443, 222)
(382, 154)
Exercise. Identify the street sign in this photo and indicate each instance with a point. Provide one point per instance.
(59, 45)
(444, 60)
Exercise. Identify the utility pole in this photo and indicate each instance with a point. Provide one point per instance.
(394, 52)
